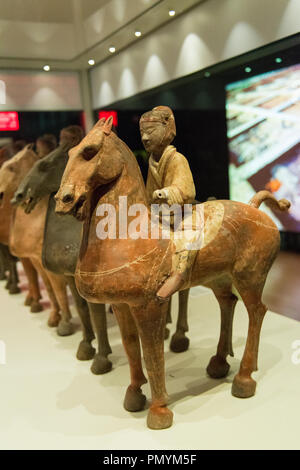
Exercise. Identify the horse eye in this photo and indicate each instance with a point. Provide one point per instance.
(89, 152)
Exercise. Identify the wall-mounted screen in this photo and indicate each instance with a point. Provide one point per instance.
(263, 130)
(9, 121)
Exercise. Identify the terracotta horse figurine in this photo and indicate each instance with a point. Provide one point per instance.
(3, 261)
(62, 239)
(8, 260)
(61, 245)
(239, 247)
(26, 240)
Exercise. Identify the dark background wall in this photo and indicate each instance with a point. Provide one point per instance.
(199, 109)
(35, 123)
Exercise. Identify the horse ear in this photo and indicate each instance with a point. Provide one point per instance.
(100, 122)
(108, 125)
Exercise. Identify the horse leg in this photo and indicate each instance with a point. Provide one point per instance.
(85, 349)
(151, 327)
(2, 263)
(218, 367)
(13, 276)
(243, 385)
(179, 341)
(54, 316)
(6, 257)
(168, 319)
(101, 364)
(59, 286)
(34, 295)
(134, 399)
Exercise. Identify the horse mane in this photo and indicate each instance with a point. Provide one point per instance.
(129, 155)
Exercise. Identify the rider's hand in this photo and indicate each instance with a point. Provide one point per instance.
(160, 196)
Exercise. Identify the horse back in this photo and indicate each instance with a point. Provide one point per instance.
(245, 238)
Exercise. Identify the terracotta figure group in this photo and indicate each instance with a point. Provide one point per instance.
(82, 216)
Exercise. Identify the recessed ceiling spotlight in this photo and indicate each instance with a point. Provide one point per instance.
(138, 34)
(112, 49)
(248, 69)
(91, 62)
(278, 60)
(172, 12)
(46, 68)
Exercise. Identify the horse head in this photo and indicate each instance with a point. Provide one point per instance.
(96, 161)
(43, 179)
(12, 172)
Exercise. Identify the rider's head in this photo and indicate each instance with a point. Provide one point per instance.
(157, 128)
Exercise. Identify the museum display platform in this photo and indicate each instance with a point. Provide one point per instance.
(50, 400)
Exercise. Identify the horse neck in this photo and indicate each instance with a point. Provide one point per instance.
(130, 183)
(26, 162)
(59, 163)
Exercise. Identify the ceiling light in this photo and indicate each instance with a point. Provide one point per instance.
(172, 12)
(207, 74)
(248, 69)
(278, 60)
(46, 68)
(138, 34)
(91, 62)
(112, 49)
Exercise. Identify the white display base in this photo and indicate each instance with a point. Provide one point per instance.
(49, 400)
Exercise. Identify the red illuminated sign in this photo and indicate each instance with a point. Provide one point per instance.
(107, 114)
(9, 121)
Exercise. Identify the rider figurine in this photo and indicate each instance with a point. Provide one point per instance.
(169, 181)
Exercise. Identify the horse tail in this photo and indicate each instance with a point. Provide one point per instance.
(265, 196)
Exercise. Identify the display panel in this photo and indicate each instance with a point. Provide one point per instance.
(9, 121)
(263, 130)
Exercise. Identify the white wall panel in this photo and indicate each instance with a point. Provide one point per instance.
(41, 91)
(214, 31)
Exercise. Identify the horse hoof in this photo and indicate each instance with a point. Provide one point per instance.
(28, 301)
(36, 306)
(243, 387)
(159, 418)
(167, 333)
(65, 328)
(14, 290)
(101, 365)
(54, 320)
(217, 367)
(7, 285)
(179, 343)
(134, 400)
(85, 351)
